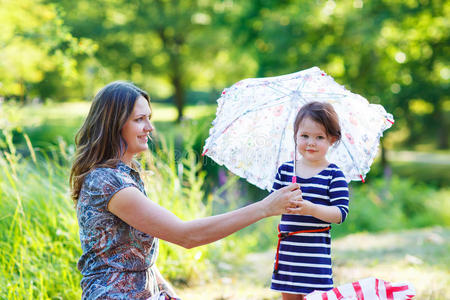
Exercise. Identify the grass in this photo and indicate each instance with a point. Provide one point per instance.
(434, 173)
(37, 114)
(420, 257)
(38, 236)
(49, 124)
(39, 245)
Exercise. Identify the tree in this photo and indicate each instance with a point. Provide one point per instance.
(391, 52)
(34, 43)
(175, 42)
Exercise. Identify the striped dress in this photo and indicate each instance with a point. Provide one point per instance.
(305, 259)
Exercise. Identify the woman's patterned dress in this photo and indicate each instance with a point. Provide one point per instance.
(117, 258)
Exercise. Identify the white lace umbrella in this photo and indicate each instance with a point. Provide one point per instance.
(252, 134)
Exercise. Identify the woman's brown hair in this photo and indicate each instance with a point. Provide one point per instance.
(99, 142)
(322, 113)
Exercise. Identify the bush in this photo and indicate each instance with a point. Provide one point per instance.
(394, 205)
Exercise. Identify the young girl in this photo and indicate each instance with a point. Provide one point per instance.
(303, 260)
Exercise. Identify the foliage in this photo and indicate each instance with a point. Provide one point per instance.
(395, 204)
(166, 46)
(36, 48)
(392, 52)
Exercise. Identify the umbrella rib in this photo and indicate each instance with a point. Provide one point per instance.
(302, 84)
(284, 130)
(262, 106)
(355, 163)
(280, 90)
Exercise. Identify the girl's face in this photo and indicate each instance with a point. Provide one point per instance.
(136, 129)
(312, 141)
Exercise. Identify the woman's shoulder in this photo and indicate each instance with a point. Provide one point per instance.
(101, 176)
(101, 172)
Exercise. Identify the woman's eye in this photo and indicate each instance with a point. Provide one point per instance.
(304, 136)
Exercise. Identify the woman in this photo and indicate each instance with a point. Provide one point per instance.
(119, 225)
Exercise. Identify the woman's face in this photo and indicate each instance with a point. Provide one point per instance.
(136, 129)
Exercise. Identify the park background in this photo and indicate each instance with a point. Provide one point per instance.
(55, 55)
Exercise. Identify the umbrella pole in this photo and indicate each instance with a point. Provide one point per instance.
(294, 178)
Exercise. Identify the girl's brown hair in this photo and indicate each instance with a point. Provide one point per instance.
(99, 142)
(322, 113)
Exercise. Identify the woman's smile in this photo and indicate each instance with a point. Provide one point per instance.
(143, 138)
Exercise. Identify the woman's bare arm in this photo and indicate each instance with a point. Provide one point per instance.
(134, 208)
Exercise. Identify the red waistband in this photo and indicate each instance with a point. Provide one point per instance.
(285, 234)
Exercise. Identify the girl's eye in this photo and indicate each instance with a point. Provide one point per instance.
(304, 136)
(320, 137)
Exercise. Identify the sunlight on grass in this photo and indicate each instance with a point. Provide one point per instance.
(168, 113)
(417, 256)
(35, 115)
(421, 258)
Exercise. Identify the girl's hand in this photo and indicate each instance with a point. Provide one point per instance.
(330, 214)
(305, 208)
(282, 201)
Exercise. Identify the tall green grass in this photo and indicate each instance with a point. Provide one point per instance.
(39, 244)
(38, 230)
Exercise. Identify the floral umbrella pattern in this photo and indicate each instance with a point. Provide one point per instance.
(252, 134)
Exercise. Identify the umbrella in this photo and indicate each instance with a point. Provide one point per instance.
(252, 134)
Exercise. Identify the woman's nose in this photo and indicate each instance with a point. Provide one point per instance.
(149, 127)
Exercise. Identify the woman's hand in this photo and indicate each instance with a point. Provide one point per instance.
(283, 201)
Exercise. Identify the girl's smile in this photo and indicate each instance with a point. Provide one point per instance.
(313, 142)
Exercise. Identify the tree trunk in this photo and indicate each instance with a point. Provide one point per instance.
(443, 137)
(179, 96)
(443, 124)
(387, 172)
(22, 91)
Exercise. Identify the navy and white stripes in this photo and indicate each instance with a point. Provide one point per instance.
(305, 258)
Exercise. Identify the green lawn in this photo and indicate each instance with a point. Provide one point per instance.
(420, 257)
(34, 115)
